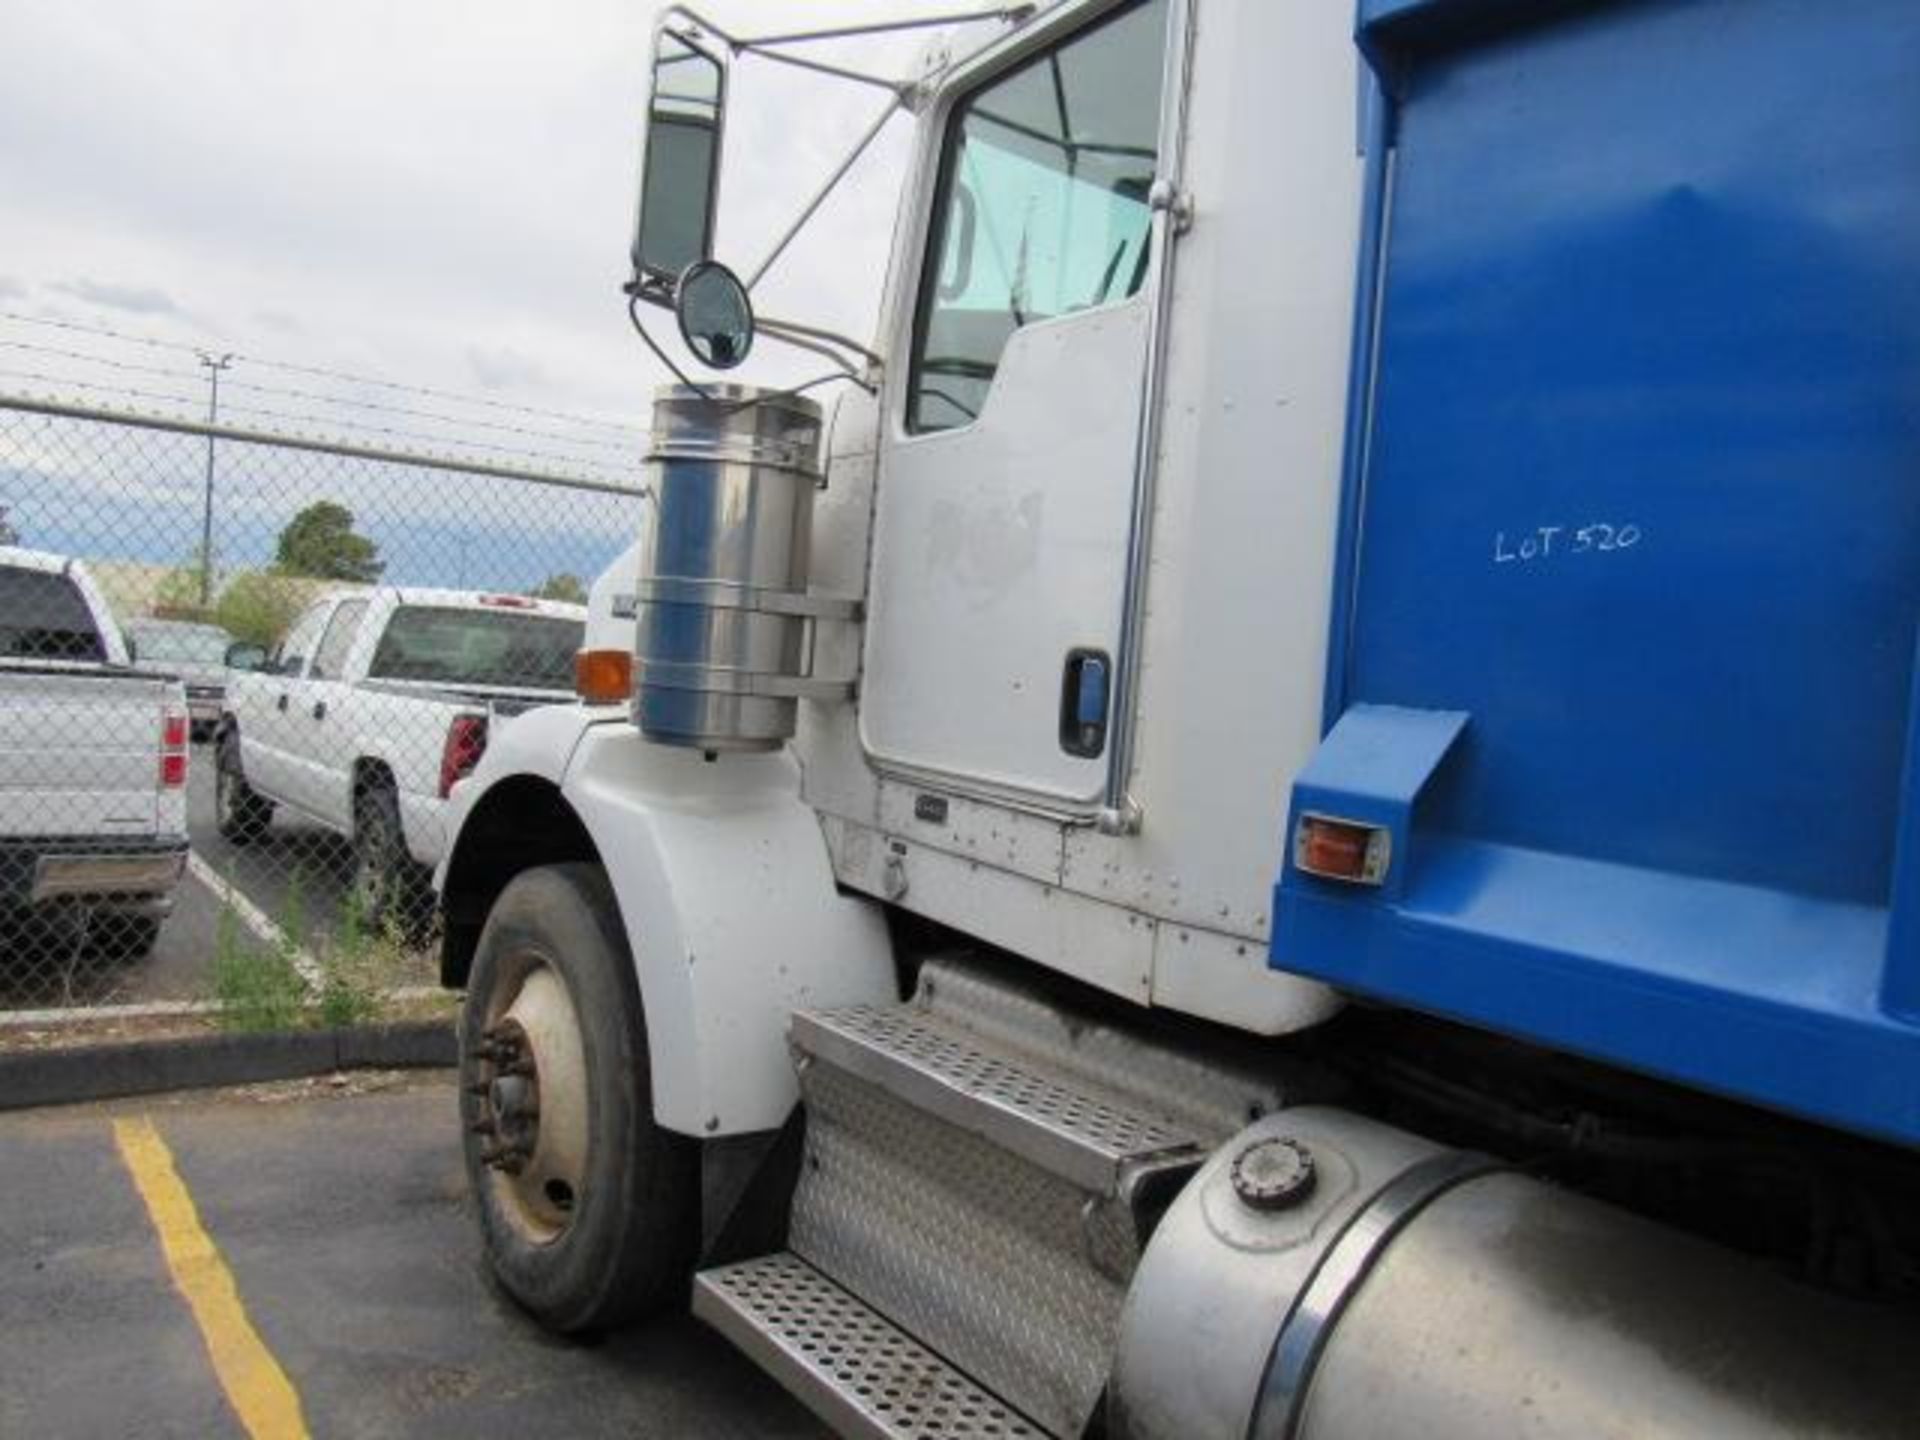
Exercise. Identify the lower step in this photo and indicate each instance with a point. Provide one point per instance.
(856, 1370)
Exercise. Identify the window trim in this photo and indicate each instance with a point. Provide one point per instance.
(334, 620)
(325, 609)
(935, 199)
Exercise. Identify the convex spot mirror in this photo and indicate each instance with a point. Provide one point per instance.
(715, 314)
(680, 170)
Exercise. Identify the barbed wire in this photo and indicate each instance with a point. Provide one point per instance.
(307, 424)
(291, 367)
(625, 444)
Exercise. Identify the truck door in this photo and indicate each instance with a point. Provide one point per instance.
(324, 758)
(1007, 458)
(271, 728)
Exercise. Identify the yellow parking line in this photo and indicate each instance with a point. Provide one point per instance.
(256, 1386)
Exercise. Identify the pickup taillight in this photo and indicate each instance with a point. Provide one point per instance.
(466, 743)
(174, 733)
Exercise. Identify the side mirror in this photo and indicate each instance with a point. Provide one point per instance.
(243, 656)
(715, 314)
(680, 174)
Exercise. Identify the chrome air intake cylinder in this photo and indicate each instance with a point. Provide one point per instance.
(723, 616)
(1327, 1276)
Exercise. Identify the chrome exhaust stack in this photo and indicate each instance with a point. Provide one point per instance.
(723, 642)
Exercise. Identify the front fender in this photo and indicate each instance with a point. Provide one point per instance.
(537, 745)
(728, 900)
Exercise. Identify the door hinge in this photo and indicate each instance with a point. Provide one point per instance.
(1178, 204)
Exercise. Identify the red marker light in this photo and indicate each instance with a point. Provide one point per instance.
(1342, 849)
(466, 743)
(173, 751)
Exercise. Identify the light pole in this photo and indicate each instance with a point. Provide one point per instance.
(214, 367)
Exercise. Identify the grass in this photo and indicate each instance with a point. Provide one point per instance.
(256, 988)
(352, 970)
(259, 987)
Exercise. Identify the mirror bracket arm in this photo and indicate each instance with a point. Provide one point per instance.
(812, 337)
(649, 288)
(1017, 14)
(867, 138)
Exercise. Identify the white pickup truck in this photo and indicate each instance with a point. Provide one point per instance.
(370, 709)
(93, 770)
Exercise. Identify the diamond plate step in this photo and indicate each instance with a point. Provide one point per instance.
(861, 1374)
(1075, 1130)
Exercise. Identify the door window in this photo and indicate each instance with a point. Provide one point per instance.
(330, 660)
(291, 658)
(1042, 207)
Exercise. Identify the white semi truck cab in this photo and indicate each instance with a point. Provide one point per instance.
(1297, 812)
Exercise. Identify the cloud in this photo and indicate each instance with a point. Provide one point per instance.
(10, 288)
(135, 299)
(503, 369)
(460, 222)
(280, 321)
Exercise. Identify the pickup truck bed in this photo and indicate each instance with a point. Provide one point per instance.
(93, 764)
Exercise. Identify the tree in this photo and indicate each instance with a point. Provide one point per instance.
(561, 585)
(8, 535)
(320, 541)
(257, 607)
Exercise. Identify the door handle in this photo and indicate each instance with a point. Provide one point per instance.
(280, 703)
(319, 709)
(1083, 702)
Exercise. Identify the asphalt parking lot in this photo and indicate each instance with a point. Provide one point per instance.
(357, 1304)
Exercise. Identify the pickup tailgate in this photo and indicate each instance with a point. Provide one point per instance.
(80, 752)
(1626, 665)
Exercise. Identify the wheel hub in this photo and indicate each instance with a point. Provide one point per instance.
(530, 1081)
(509, 1126)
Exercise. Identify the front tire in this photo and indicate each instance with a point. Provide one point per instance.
(589, 1211)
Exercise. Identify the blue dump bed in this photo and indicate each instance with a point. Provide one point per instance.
(1624, 642)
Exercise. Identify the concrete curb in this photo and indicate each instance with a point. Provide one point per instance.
(146, 1067)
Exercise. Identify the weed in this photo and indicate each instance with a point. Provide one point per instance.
(261, 988)
(255, 989)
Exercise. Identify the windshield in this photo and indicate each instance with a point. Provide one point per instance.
(43, 616)
(451, 646)
(183, 644)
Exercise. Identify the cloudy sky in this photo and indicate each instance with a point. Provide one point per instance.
(438, 191)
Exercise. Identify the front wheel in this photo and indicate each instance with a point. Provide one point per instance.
(588, 1210)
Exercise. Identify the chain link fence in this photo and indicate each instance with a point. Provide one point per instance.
(239, 671)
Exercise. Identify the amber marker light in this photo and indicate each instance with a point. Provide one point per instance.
(603, 677)
(1342, 849)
